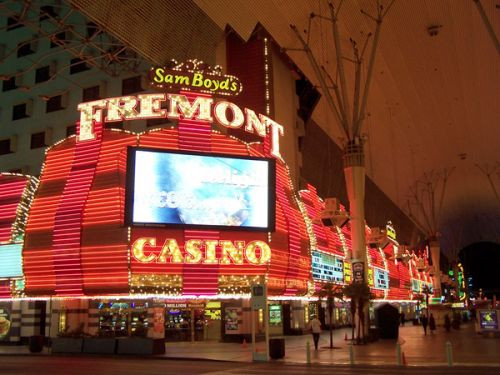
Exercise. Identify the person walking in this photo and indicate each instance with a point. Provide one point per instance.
(403, 319)
(432, 324)
(424, 321)
(447, 323)
(315, 328)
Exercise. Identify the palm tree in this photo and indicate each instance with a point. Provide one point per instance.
(360, 295)
(330, 291)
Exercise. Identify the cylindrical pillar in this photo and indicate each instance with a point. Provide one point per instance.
(435, 257)
(354, 171)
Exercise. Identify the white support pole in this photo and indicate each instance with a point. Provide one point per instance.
(253, 331)
(308, 353)
(398, 354)
(351, 354)
(449, 353)
(435, 256)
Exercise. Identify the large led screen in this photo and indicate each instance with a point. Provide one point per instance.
(200, 190)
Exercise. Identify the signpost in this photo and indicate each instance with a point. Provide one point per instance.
(258, 302)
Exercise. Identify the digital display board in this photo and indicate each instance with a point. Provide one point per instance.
(488, 319)
(10, 260)
(381, 278)
(415, 285)
(327, 267)
(200, 190)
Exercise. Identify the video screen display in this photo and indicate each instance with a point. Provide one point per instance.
(200, 190)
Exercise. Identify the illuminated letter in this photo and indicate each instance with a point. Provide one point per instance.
(193, 252)
(229, 251)
(210, 252)
(202, 105)
(138, 249)
(181, 80)
(251, 254)
(220, 112)
(276, 131)
(90, 112)
(253, 122)
(197, 80)
(151, 105)
(158, 77)
(122, 108)
(170, 249)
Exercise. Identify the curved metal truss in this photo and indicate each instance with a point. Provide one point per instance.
(66, 27)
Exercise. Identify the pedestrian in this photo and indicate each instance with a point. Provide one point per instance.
(432, 323)
(315, 328)
(403, 319)
(424, 321)
(447, 323)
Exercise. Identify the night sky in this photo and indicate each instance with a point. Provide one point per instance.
(481, 261)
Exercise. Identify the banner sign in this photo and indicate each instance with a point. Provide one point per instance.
(194, 75)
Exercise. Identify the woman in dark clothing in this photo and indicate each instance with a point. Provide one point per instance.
(424, 321)
(432, 323)
(447, 323)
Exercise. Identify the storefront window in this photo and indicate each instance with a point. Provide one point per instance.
(62, 320)
(275, 316)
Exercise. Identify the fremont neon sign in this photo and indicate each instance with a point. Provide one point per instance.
(202, 108)
(197, 251)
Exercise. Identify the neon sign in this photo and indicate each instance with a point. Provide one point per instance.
(202, 108)
(194, 75)
(199, 251)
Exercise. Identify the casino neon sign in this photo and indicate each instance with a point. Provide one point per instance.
(198, 251)
(202, 108)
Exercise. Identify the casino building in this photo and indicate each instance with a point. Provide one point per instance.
(172, 196)
(166, 230)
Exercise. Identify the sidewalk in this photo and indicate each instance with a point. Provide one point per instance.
(469, 349)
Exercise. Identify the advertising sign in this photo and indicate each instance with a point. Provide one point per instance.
(232, 316)
(5, 322)
(327, 267)
(275, 315)
(187, 189)
(488, 320)
(158, 322)
(381, 279)
(358, 272)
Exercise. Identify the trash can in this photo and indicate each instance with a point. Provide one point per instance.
(35, 344)
(276, 348)
(387, 317)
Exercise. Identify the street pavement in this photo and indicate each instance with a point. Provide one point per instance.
(94, 365)
(469, 349)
